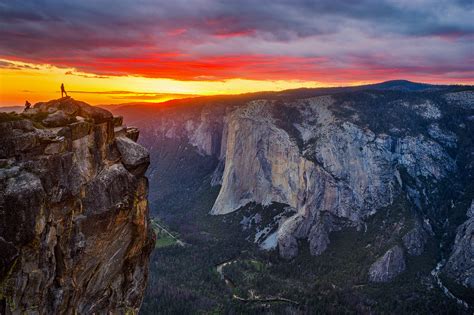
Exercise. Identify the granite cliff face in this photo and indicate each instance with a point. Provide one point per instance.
(393, 164)
(390, 265)
(74, 226)
(338, 168)
(460, 265)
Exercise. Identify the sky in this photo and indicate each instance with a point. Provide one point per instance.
(148, 50)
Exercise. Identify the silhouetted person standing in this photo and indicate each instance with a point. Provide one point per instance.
(27, 105)
(63, 91)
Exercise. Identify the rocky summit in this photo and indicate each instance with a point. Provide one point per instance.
(74, 227)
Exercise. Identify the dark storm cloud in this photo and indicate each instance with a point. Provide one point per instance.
(134, 37)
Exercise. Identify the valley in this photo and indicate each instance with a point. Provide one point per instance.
(307, 192)
(217, 157)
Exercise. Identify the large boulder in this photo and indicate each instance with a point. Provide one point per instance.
(65, 104)
(287, 246)
(97, 114)
(414, 241)
(135, 158)
(387, 267)
(73, 108)
(57, 119)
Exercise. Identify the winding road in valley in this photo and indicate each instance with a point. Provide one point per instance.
(253, 298)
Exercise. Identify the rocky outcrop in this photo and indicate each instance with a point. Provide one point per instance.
(134, 157)
(460, 265)
(415, 241)
(387, 267)
(262, 164)
(74, 228)
(470, 211)
(57, 119)
(324, 164)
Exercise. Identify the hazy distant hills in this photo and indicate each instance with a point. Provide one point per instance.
(393, 85)
(402, 85)
(8, 109)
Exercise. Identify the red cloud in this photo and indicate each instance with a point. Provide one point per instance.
(175, 65)
(314, 40)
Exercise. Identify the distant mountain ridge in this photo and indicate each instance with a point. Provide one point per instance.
(400, 85)
(13, 108)
(404, 85)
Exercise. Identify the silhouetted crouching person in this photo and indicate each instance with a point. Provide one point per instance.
(27, 105)
(63, 91)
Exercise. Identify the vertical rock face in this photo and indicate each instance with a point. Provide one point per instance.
(262, 164)
(414, 241)
(390, 265)
(460, 265)
(327, 166)
(335, 159)
(74, 229)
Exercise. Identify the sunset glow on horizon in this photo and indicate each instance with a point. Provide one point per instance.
(25, 81)
(119, 52)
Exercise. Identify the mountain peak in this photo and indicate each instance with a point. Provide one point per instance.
(404, 85)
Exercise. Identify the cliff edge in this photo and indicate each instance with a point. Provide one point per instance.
(74, 227)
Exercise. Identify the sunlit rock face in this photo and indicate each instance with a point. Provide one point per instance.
(74, 226)
(335, 159)
(338, 168)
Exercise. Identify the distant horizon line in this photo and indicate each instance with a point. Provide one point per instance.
(191, 95)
